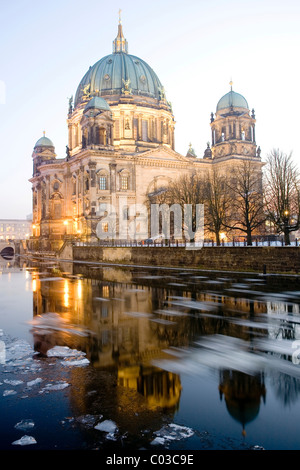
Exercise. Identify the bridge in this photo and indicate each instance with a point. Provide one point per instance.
(7, 249)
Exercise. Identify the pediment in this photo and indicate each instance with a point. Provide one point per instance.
(163, 153)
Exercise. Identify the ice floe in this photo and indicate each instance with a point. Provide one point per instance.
(34, 382)
(18, 352)
(220, 352)
(63, 351)
(25, 441)
(60, 385)
(52, 321)
(25, 425)
(7, 393)
(109, 427)
(171, 432)
(71, 357)
(13, 382)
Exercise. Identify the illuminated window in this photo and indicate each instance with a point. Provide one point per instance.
(102, 182)
(124, 183)
(105, 227)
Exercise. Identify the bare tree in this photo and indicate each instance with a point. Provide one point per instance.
(247, 207)
(187, 192)
(217, 203)
(282, 193)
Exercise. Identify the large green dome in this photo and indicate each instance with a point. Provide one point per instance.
(117, 72)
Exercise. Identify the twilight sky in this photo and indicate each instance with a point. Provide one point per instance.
(195, 47)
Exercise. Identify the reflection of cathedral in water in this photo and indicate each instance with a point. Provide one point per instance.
(161, 388)
(111, 323)
(242, 394)
(123, 322)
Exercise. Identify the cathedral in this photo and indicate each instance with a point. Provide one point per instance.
(121, 149)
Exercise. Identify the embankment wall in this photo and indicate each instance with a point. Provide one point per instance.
(256, 259)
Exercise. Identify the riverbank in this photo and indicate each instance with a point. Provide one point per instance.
(257, 259)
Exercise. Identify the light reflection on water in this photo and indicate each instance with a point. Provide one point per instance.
(216, 353)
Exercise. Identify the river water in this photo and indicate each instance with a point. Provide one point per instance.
(108, 357)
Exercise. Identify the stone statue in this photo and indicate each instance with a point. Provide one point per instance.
(126, 90)
(162, 93)
(86, 92)
(70, 104)
(68, 152)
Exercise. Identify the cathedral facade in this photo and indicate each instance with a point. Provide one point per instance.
(121, 149)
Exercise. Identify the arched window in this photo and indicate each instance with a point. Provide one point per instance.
(124, 182)
(126, 213)
(102, 182)
(74, 185)
(102, 136)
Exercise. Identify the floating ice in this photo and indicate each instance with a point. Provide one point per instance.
(107, 426)
(7, 393)
(18, 352)
(162, 321)
(58, 386)
(172, 313)
(195, 305)
(171, 432)
(13, 382)
(138, 314)
(176, 284)
(76, 362)
(54, 321)
(63, 351)
(71, 357)
(219, 352)
(25, 441)
(25, 425)
(2, 352)
(34, 382)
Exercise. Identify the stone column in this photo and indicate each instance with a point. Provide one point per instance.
(47, 201)
(113, 177)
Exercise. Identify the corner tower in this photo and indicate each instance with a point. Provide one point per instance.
(43, 151)
(233, 128)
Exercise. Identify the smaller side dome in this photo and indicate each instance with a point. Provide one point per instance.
(232, 99)
(97, 103)
(44, 142)
(191, 152)
(207, 152)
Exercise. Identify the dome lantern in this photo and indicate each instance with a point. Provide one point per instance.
(120, 43)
